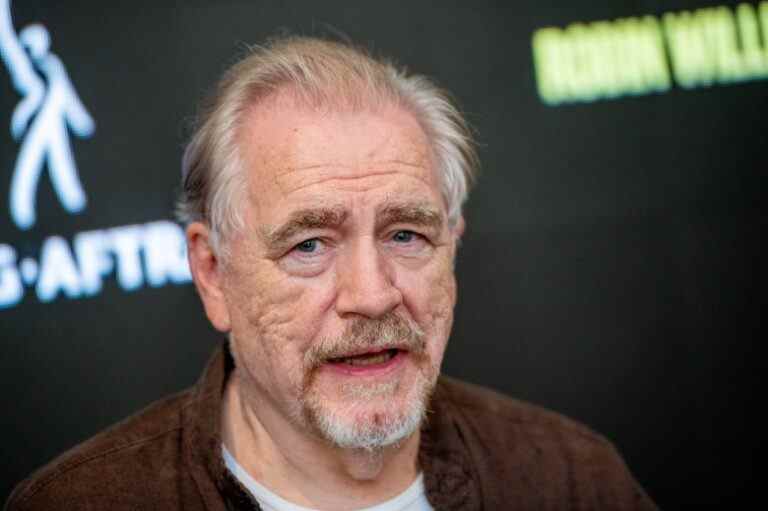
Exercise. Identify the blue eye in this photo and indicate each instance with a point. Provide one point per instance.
(403, 236)
(307, 246)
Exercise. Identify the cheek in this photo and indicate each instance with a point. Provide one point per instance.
(271, 329)
(441, 314)
(273, 313)
(430, 296)
(260, 305)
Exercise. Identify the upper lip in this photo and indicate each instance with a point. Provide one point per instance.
(368, 350)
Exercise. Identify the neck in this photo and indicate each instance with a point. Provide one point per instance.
(305, 469)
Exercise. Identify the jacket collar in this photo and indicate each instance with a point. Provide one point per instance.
(443, 455)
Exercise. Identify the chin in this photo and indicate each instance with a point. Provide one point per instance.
(369, 417)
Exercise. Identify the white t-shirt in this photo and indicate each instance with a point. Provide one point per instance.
(412, 499)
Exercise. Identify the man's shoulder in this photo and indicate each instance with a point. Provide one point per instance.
(500, 425)
(139, 451)
(518, 449)
(492, 409)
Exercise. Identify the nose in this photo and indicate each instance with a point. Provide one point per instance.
(366, 282)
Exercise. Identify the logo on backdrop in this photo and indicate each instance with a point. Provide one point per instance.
(48, 109)
(643, 55)
(151, 254)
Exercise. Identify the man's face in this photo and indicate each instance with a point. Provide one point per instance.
(339, 292)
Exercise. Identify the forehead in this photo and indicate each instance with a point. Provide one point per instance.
(296, 155)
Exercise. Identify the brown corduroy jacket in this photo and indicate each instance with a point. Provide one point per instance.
(479, 450)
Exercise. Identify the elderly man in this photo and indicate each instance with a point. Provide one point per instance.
(323, 192)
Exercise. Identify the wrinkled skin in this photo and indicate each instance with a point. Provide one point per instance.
(280, 296)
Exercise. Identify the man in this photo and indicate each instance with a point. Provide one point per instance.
(323, 193)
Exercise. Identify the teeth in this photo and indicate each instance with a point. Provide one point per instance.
(365, 360)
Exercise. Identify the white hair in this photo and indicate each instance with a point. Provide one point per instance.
(318, 73)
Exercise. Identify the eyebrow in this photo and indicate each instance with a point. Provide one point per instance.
(302, 220)
(409, 213)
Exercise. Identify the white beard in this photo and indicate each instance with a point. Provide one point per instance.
(368, 416)
(367, 419)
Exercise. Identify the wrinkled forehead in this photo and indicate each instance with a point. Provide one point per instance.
(287, 145)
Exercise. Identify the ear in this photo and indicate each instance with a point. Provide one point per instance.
(458, 229)
(207, 274)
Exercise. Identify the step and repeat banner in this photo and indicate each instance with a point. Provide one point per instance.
(609, 269)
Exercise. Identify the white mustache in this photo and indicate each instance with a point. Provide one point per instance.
(363, 335)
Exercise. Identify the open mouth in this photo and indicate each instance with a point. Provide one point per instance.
(373, 358)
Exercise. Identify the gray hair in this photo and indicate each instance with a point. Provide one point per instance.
(318, 73)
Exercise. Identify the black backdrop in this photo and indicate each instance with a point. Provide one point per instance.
(608, 270)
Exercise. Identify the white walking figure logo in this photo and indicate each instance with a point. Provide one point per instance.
(55, 109)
